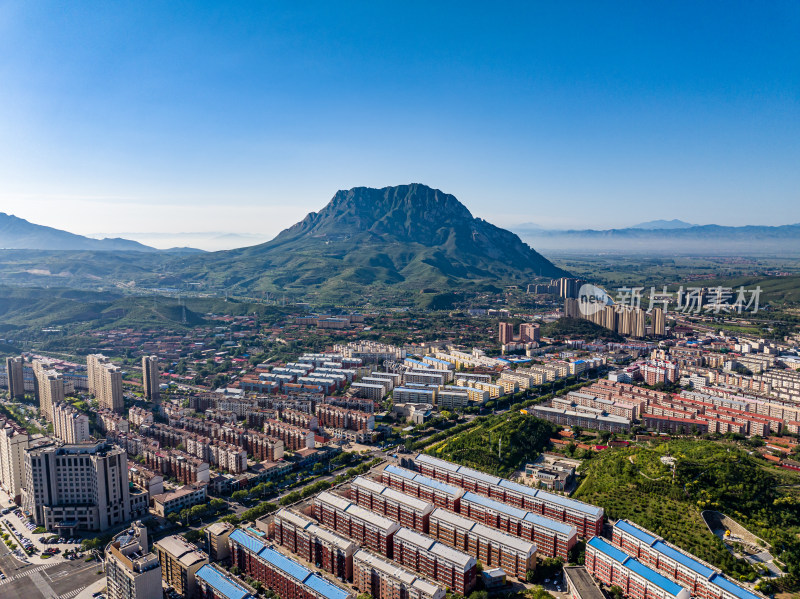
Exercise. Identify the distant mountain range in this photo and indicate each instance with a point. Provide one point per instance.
(408, 238)
(664, 224)
(19, 234)
(670, 236)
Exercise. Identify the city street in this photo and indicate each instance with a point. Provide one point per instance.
(49, 581)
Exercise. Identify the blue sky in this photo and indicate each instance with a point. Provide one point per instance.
(170, 117)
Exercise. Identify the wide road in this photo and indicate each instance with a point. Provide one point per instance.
(46, 581)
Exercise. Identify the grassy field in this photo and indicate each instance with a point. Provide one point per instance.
(633, 483)
(498, 445)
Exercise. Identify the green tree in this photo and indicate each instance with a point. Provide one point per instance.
(240, 495)
(194, 535)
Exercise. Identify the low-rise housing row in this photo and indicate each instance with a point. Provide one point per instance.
(450, 567)
(277, 572)
(338, 417)
(615, 568)
(409, 511)
(492, 547)
(139, 416)
(418, 485)
(366, 528)
(588, 418)
(586, 518)
(213, 583)
(293, 437)
(382, 578)
(179, 499)
(701, 579)
(174, 463)
(314, 543)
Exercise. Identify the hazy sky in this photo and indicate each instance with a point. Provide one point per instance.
(239, 117)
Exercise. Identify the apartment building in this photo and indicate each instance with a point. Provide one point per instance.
(180, 561)
(49, 386)
(427, 376)
(293, 437)
(263, 447)
(552, 538)
(586, 518)
(228, 458)
(521, 380)
(490, 546)
(474, 359)
(587, 418)
(373, 391)
(616, 405)
(613, 567)
(450, 399)
(177, 464)
(316, 544)
(108, 421)
(213, 583)
(132, 572)
(473, 376)
(475, 394)
(493, 390)
(505, 332)
(508, 386)
(699, 578)
(151, 382)
(139, 416)
(395, 379)
(414, 395)
(436, 363)
(450, 567)
(15, 377)
(675, 425)
(179, 499)
(77, 487)
(367, 528)
(385, 579)
(370, 351)
(300, 419)
(105, 382)
(580, 584)
(338, 417)
(14, 441)
(660, 371)
(274, 570)
(217, 543)
(146, 479)
(409, 511)
(599, 406)
(70, 425)
(417, 485)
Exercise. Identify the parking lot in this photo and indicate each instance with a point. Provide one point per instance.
(36, 546)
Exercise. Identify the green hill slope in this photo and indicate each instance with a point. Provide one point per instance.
(407, 238)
